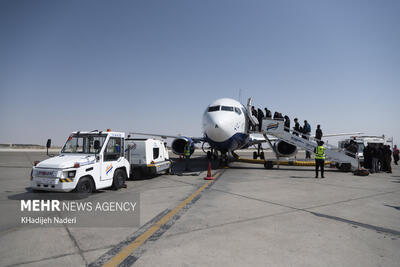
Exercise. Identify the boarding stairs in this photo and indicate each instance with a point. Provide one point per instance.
(277, 129)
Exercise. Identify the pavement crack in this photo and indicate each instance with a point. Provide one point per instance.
(40, 260)
(232, 222)
(76, 244)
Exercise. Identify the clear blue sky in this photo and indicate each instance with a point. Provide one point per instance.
(155, 65)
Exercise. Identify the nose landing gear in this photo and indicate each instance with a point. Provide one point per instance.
(259, 152)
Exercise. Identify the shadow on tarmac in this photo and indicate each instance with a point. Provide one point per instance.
(46, 195)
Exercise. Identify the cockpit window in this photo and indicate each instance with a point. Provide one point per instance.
(213, 108)
(226, 108)
(237, 110)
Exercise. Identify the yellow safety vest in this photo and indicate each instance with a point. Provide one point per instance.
(186, 150)
(320, 152)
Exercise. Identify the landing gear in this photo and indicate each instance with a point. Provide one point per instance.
(259, 152)
(215, 155)
(212, 154)
(223, 161)
(268, 165)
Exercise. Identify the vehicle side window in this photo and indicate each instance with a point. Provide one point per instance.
(92, 139)
(114, 149)
(156, 152)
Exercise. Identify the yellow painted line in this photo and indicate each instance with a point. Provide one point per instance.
(123, 254)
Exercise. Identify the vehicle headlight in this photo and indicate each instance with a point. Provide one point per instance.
(71, 174)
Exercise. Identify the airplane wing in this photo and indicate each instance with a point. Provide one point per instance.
(164, 136)
(341, 134)
(256, 139)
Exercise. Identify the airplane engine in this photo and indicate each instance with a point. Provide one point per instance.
(178, 145)
(285, 149)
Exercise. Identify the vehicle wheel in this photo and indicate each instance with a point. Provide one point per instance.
(169, 170)
(345, 167)
(209, 155)
(268, 165)
(118, 179)
(255, 155)
(262, 155)
(85, 185)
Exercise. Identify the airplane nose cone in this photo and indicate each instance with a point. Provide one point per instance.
(218, 128)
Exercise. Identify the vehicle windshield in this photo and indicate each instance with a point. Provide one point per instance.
(360, 148)
(83, 143)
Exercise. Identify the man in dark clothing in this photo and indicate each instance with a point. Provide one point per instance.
(278, 116)
(395, 154)
(254, 113)
(260, 116)
(352, 148)
(367, 157)
(287, 123)
(296, 127)
(374, 155)
(268, 113)
(388, 158)
(381, 157)
(307, 132)
(306, 128)
(318, 132)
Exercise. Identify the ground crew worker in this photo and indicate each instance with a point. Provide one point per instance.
(319, 159)
(186, 154)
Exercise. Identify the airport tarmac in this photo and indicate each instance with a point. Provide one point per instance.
(247, 216)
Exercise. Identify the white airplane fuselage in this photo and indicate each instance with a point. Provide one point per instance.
(225, 125)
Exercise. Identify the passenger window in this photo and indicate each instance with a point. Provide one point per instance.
(213, 108)
(156, 152)
(237, 110)
(226, 108)
(114, 149)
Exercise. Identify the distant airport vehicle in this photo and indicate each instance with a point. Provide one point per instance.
(148, 156)
(94, 160)
(362, 141)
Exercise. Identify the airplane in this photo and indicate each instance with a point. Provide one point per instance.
(225, 127)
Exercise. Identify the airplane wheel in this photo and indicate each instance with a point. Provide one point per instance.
(255, 155)
(268, 165)
(262, 155)
(209, 155)
(345, 167)
(215, 155)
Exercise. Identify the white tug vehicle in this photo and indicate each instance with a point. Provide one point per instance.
(90, 161)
